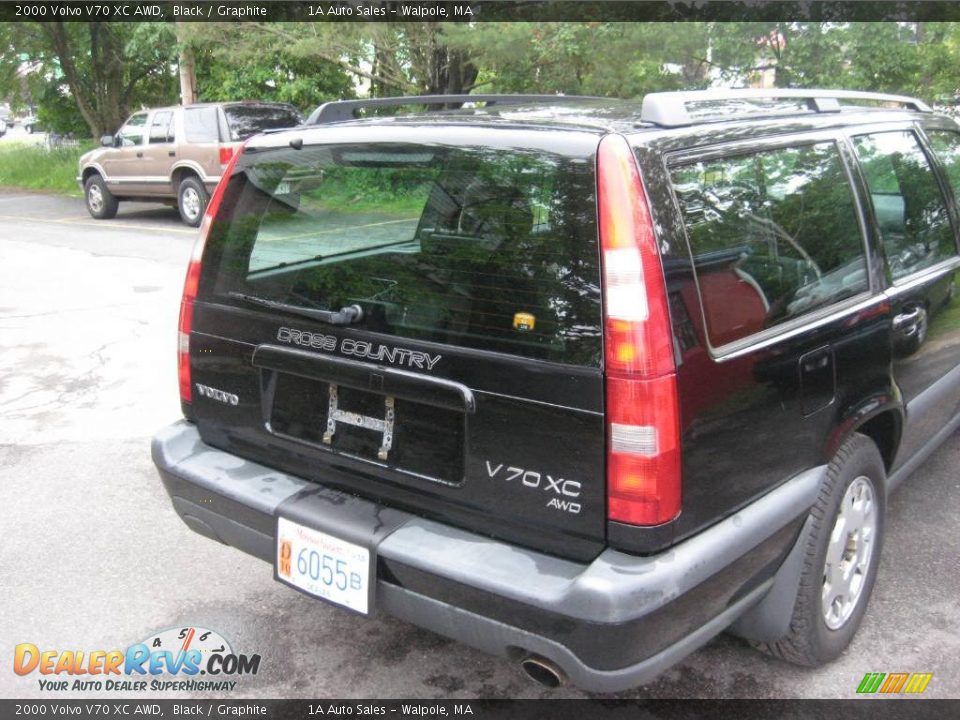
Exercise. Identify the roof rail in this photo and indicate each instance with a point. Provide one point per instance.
(340, 110)
(670, 109)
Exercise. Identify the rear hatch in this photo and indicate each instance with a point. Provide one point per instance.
(417, 321)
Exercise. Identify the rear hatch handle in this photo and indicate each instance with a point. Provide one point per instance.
(345, 316)
(402, 384)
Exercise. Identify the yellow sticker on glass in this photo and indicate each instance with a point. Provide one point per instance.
(523, 321)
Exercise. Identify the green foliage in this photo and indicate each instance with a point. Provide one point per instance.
(631, 59)
(272, 77)
(58, 113)
(610, 59)
(105, 68)
(101, 72)
(35, 167)
(387, 190)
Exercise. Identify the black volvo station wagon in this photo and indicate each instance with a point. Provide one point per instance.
(570, 380)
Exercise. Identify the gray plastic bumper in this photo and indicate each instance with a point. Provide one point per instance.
(236, 501)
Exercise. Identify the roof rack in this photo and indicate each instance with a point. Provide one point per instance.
(340, 110)
(670, 109)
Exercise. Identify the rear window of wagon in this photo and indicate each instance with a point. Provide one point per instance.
(477, 247)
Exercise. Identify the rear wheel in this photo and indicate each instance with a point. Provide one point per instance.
(842, 555)
(101, 203)
(192, 200)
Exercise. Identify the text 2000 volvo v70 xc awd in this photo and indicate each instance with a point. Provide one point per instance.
(574, 382)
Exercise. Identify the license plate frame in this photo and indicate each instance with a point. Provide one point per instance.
(322, 566)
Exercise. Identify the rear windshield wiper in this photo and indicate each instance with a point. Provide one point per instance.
(319, 258)
(344, 316)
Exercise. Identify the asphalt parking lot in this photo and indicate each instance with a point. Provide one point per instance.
(95, 558)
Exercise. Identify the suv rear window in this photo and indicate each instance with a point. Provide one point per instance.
(773, 234)
(475, 247)
(248, 120)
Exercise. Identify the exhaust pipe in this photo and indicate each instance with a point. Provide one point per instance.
(543, 671)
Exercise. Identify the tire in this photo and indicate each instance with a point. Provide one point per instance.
(829, 608)
(101, 203)
(192, 199)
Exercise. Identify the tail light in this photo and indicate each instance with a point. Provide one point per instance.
(192, 281)
(226, 154)
(642, 413)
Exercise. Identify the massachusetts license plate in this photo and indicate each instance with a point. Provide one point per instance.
(324, 566)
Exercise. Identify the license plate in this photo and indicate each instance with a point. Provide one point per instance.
(283, 188)
(323, 565)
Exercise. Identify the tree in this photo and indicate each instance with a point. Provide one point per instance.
(610, 59)
(339, 59)
(106, 68)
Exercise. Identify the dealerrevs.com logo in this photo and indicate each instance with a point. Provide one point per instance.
(178, 659)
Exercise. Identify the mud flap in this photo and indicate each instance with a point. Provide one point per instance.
(769, 619)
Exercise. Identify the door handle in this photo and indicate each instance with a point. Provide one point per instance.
(172, 153)
(904, 320)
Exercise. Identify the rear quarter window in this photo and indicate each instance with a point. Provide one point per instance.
(473, 247)
(910, 209)
(946, 144)
(200, 125)
(773, 235)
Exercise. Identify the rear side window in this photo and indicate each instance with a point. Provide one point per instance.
(474, 247)
(200, 125)
(248, 120)
(946, 144)
(907, 201)
(161, 129)
(773, 235)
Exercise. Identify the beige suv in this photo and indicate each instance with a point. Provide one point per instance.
(173, 154)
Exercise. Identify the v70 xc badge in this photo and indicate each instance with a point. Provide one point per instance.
(547, 483)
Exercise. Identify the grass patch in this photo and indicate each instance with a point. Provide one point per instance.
(346, 197)
(36, 167)
(945, 321)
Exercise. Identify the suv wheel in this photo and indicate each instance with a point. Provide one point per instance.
(100, 201)
(842, 555)
(192, 200)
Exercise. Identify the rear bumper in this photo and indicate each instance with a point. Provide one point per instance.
(610, 624)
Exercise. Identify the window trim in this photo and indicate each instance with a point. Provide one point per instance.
(797, 326)
(814, 318)
(923, 276)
